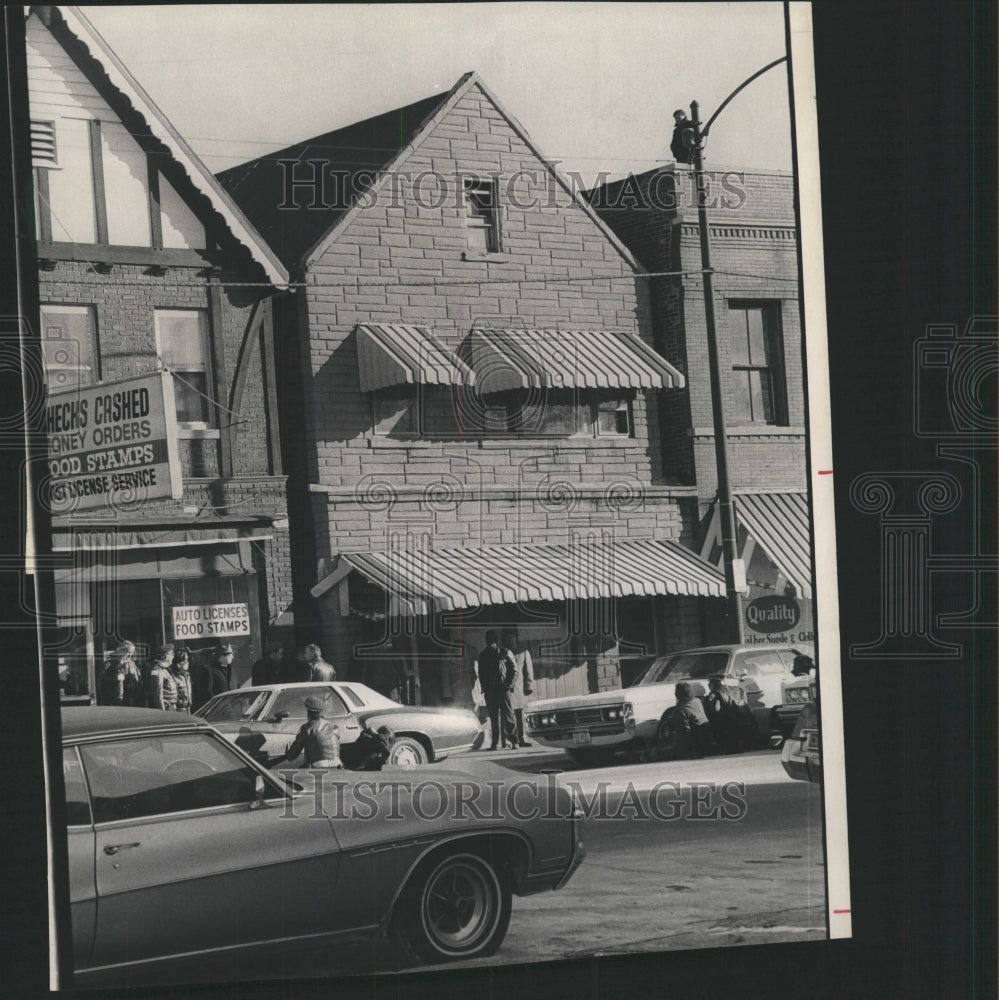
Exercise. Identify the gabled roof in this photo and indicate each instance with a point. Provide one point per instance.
(358, 159)
(352, 158)
(76, 23)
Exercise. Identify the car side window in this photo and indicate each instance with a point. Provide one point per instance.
(292, 701)
(157, 775)
(77, 799)
(758, 664)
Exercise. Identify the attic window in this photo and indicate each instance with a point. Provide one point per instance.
(43, 144)
(481, 215)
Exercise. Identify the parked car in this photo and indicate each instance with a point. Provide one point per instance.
(795, 694)
(593, 727)
(183, 849)
(802, 752)
(264, 720)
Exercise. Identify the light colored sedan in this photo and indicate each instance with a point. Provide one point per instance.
(264, 720)
(184, 852)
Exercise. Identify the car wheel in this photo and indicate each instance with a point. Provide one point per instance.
(455, 907)
(407, 752)
(662, 730)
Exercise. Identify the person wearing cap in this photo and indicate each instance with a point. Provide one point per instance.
(725, 715)
(120, 682)
(319, 669)
(269, 670)
(213, 677)
(180, 670)
(680, 145)
(318, 738)
(161, 689)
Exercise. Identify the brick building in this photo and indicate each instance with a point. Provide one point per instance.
(146, 265)
(481, 404)
(754, 255)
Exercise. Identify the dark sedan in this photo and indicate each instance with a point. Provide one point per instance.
(184, 852)
(264, 720)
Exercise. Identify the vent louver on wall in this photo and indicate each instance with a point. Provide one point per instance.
(43, 144)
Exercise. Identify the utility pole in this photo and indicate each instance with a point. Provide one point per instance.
(735, 573)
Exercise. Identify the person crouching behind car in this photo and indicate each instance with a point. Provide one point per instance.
(728, 722)
(318, 737)
(690, 731)
(374, 748)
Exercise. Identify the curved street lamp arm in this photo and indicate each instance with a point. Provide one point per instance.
(745, 83)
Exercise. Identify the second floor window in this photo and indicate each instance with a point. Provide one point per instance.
(481, 218)
(182, 345)
(69, 346)
(757, 364)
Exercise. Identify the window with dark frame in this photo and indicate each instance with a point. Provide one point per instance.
(394, 410)
(757, 364)
(614, 417)
(183, 347)
(481, 215)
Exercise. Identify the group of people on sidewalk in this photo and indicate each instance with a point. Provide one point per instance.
(505, 680)
(170, 682)
(174, 683)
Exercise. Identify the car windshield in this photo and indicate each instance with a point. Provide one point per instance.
(685, 667)
(233, 707)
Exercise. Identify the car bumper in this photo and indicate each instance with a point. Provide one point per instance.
(597, 736)
(799, 763)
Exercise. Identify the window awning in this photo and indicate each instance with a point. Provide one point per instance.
(567, 359)
(116, 539)
(778, 523)
(393, 354)
(423, 580)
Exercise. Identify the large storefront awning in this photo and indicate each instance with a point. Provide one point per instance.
(394, 354)
(421, 581)
(778, 523)
(568, 359)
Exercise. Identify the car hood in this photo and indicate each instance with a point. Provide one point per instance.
(640, 693)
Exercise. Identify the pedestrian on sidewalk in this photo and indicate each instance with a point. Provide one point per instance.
(180, 671)
(497, 671)
(161, 689)
(523, 685)
(319, 669)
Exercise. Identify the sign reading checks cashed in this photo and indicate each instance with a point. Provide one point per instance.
(113, 443)
(197, 621)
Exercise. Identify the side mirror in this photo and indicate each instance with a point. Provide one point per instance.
(281, 716)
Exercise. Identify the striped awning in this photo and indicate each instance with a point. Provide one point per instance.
(393, 354)
(567, 359)
(423, 580)
(778, 523)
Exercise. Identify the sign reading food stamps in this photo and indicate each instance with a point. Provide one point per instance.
(200, 621)
(113, 443)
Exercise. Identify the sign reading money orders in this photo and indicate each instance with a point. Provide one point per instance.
(113, 444)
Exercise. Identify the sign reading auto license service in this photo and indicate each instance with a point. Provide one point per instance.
(196, 621)
(112, 444)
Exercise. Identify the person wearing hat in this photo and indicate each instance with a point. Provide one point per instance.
(180, 670)
(161, 689)
(120, 682)
(318, 738)
(269, 670)
(681, 145)
(214, 677)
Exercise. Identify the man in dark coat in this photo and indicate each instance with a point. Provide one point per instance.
(497, 671)
(213, 677)
(269, 670)
(682, 143)
(120, 682)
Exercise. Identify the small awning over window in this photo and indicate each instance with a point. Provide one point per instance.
(567, 359)
(778, 523)
(392, 354)
(424, 580)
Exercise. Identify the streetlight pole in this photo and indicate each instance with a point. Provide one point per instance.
(735, 571)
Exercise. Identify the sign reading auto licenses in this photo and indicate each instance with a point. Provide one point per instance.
(112, 444)
(772, 614)
(198, 621)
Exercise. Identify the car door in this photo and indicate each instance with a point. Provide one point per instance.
(186, 861)
(80, 844)
(286, 713)
(761, 672)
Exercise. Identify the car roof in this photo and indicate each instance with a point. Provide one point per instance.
(733, 647)
(290, 684)
(105, 720)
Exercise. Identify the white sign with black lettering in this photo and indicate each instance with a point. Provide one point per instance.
(196, 621)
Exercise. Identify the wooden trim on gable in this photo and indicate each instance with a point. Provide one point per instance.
(216, 342)
(155, 217)
(97, 171)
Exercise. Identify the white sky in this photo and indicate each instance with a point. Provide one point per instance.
(595, 84)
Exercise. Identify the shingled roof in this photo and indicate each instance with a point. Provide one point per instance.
(352, 158)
